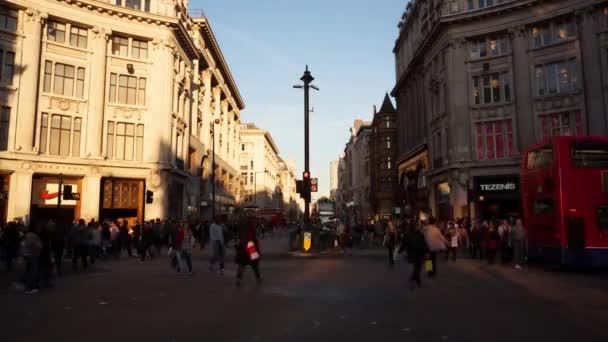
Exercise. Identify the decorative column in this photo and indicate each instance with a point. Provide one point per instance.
(158, 124)
(525, 120)
(20, 194)
(97, 96)
(29, 67)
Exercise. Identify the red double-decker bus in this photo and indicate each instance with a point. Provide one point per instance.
(565, 201)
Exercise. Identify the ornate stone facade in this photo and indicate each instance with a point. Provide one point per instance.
(477, 81)
(101, 91)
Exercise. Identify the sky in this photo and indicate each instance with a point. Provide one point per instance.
(347, 45)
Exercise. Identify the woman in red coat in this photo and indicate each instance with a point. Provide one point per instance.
(247, 250)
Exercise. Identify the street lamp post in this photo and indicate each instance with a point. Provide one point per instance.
(307, 79)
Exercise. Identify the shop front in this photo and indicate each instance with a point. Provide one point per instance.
(497, 197)
(414, 193)
(122, 199)
(45, 200)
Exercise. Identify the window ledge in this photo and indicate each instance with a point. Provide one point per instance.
(554, 44)
(131, 59)
(487, 58)
(558, 95)
(492, 105)
(67, 45)
(63, 97)
(8, 87)
(13, 33)
(127, 106)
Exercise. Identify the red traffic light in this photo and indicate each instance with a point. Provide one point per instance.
(306, 175)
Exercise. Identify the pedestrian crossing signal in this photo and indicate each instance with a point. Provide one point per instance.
(149, 196)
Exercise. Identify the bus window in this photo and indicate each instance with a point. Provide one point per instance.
(540, 158)
(602, 217)
(543, 206)
(590, 154)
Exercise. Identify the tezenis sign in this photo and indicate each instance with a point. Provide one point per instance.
(496, 184)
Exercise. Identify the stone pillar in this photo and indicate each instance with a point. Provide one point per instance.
(29, 67)
(458, 138)
(589, 69)
(96, 98)
(20, 195)
(524, 121)
(91, 189)
(158, 124)
(207, 111)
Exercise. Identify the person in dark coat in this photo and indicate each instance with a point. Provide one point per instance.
(247, 250)
(10, 240)
(416, 247)
(125, 238)
(44, 260)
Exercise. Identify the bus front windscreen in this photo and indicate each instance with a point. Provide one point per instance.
(590, 154)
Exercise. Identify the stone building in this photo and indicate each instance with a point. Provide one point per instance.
(118, 97)
(353, 202)
(260, 165)
(479, 80)
(333, 179)
(383, 172)
(292, 205)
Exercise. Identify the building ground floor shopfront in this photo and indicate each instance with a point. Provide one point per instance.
(30, 192)
(481, 193)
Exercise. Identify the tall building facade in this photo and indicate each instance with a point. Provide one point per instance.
(383, 172)
(478, 81)
(116, 97)
(260, 165)
(333, 179)
(354, 176)
(292, 205)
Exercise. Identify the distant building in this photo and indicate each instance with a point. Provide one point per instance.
(383, 147)
(478, 81)
(354, 176)
(333, 179)
(260, 166)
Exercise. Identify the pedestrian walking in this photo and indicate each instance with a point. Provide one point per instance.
(436, 243)
(125, 238)
(452, 242)
(475, 247)
(45, 260)
(414, 244)
(183, 247)
(216, 236)
(492, 243)
(94, 236)
(79, 242)
(31, 249)
(115, 239)
(58, 243)
(390, 241)
(519, 243)
(10, 241)
(248, 250)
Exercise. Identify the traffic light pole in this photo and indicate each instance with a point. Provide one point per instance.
(59, 191)
(307, 79)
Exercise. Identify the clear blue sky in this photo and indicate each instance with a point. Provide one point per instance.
(346, 43)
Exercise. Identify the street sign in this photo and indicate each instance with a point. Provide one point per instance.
(307, 241)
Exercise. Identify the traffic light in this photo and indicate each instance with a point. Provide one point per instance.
(149, 196)
(299, 186)
(67, 192)
(305, 186)
(314, 185)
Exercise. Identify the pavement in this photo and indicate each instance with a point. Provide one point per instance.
(350, 297)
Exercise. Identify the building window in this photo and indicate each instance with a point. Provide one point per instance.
(134, 4)
(242, 147)
(125, 141)
(139, 49)
(244, 176)
(131, 91)
(491, 88)
(59, 135)
(56, 32)
(251, 164)
(605, 16)
(554, 78)
(251, 180)
(561, 124)
(5, 114)
(438, 155)
(66, 80)
(78, 37)
(8, 19)
(7, 66)
(388, 122)
(494, 139)
(388, 143)
(388, 163)
(489, 46)
(479, 4)
(553, 32)
(120, 46)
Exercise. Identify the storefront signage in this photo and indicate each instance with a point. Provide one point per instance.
(496, 184)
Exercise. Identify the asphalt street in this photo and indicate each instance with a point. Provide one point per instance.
(354, 297)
